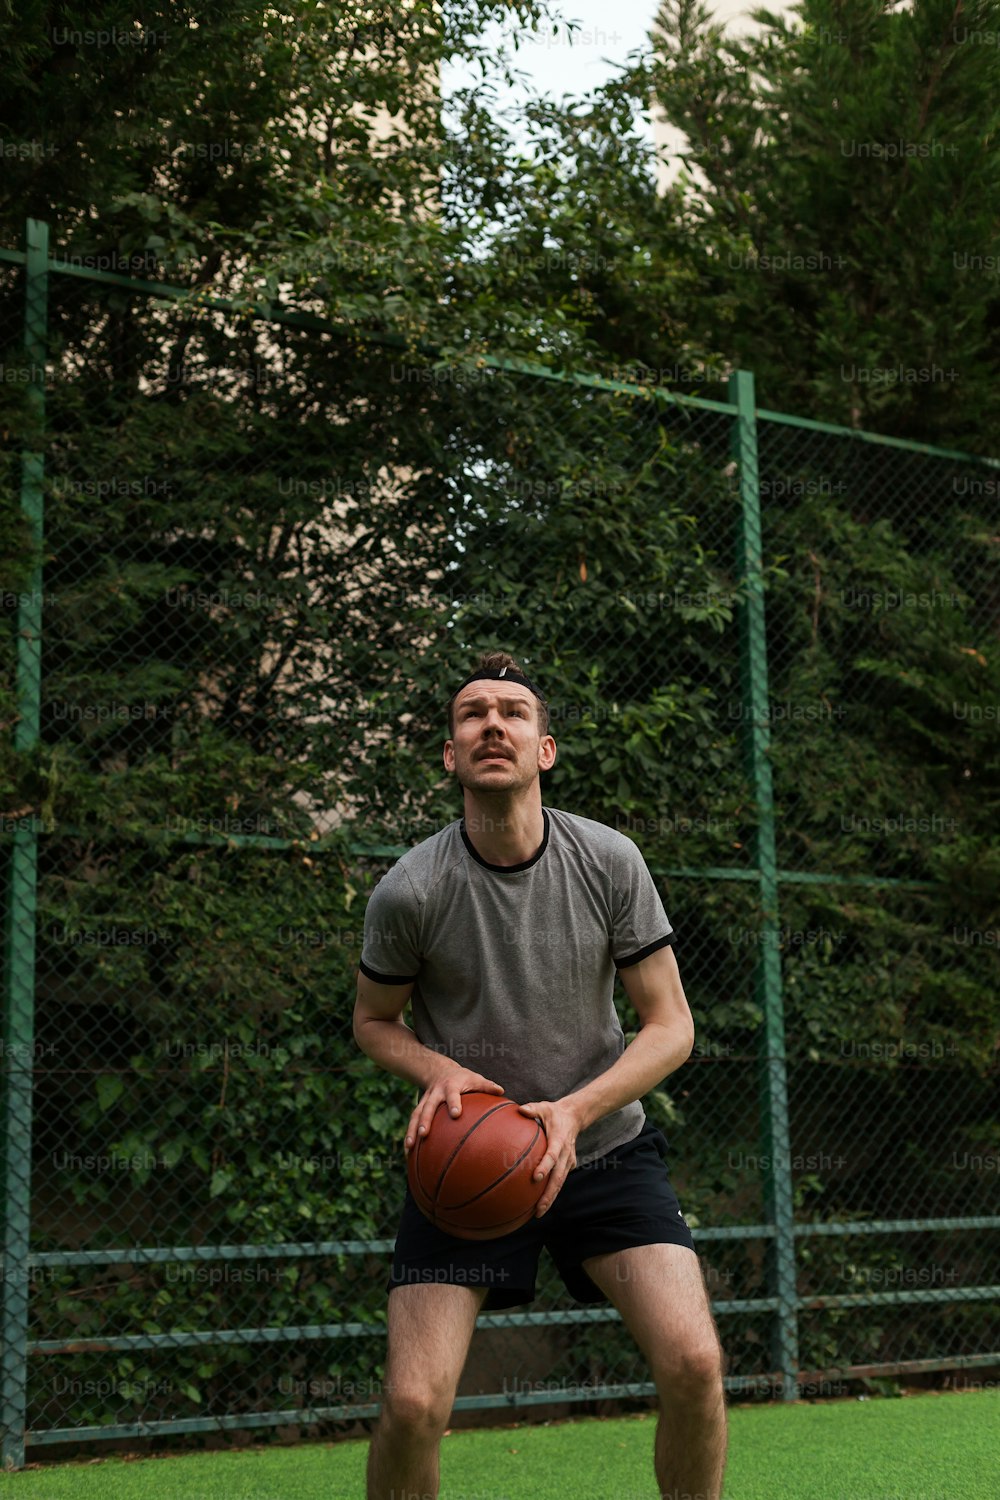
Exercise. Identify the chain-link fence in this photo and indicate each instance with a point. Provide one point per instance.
(251, 558)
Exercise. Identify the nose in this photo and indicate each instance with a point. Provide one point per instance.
(493, 722)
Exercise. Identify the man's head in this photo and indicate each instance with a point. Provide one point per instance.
(497, 662)
(498, 728)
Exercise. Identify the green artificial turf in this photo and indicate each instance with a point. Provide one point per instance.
(931, 1447)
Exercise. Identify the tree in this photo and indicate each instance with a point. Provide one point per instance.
(270, 544)
(835, 229)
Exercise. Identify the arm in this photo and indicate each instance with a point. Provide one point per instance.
(663, 1043)
(382, 1035)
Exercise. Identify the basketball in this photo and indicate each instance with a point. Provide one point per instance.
(471, 1174)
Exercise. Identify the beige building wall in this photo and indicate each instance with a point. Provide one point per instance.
(735, 17)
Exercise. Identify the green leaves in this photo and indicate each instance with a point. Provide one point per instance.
(109, 1087)
(835, 154)
(220, 1183)
(271, 547)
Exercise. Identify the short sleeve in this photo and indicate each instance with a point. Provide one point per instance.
(640, 924)
(390, 952)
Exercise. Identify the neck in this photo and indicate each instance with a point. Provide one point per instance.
(505, 829)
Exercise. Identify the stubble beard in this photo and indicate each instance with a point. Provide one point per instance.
(471, 779)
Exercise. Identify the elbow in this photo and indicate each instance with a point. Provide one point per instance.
(357, 1031)
(686, 1039)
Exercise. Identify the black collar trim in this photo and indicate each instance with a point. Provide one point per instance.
(508, 869)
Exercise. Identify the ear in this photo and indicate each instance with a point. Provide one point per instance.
(449, 755)
(546, 752)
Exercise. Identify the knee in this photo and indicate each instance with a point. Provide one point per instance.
(416, 1411)
(692, 1375)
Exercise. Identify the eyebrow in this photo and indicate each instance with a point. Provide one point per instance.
(481, 698)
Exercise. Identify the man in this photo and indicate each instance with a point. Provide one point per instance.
(506, 928)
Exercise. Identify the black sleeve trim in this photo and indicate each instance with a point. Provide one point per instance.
(636, 958)
(385, 978)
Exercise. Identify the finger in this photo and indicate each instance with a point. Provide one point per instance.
(427, 1114)
(532, 1112)
(544, 1167)
(555, 1183)
(483, 1085)
(454, 1102)
(411, 1130)
(422, 1119)
(549, 1196)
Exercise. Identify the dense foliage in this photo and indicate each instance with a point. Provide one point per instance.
(269, 553)
(824, 212)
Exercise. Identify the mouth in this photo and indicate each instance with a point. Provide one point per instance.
(493, 755)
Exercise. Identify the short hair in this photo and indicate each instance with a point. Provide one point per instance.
(495, 661)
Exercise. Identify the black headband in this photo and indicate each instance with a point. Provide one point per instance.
(499, 674)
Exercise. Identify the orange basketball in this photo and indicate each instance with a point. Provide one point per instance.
(471, 1174)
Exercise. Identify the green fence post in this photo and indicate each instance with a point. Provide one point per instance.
(778, 1202)
(22, 871)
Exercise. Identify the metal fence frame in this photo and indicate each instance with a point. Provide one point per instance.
(779, 1231)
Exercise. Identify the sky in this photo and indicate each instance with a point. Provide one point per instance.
(609, 30)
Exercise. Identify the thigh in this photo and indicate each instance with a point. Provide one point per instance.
(430, 1329)
(426, 1256)
(660, 1292)
(621, 1200)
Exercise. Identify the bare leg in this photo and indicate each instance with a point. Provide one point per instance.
(430, 1329)
(660, 1292)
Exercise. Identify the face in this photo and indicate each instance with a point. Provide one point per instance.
(496, 744)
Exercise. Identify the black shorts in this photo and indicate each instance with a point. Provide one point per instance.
(623, 1198)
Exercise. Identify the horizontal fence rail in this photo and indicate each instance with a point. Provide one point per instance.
(186, 594)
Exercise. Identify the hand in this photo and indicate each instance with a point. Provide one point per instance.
(449, 1090)
(561, 1124)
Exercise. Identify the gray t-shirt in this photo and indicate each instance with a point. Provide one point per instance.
(514, 965)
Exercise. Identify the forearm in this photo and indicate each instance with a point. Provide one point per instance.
(652, 1055)
(393, 1046)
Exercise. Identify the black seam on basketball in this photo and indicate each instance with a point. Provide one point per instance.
(429, 1206)
(503, 1104)
(419, 1181)
(455, 1207)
